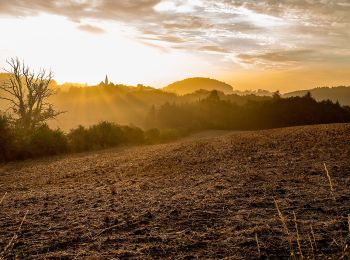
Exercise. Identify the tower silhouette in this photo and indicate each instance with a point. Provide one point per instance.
(106, 80)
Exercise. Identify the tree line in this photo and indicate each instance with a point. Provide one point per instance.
(216, 113)
(44, 141)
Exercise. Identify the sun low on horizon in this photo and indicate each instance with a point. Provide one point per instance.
(286, 45)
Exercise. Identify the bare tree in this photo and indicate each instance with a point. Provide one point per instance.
(27, 93)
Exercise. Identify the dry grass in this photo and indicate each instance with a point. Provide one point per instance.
(298, 236)
(285, 229)
(257, 245)
(14, 238)
(209, 197)
(3, 197)
(330, 182)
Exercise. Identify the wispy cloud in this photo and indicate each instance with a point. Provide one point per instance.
(212, 48)
(91, 29)
(277, 59)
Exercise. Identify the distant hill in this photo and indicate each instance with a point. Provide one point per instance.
(191, 85)
(258, 92)
(87, 105)
(3, 77)
(341, 94)
(119, 103)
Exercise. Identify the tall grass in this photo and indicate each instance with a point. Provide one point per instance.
(307, 243)
(330, 181)
(3, 197)
(14, 238)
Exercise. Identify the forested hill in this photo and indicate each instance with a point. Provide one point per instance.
(191, 85)
(88, 105)
(340, 94)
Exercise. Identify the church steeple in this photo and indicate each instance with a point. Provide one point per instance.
(106, 80)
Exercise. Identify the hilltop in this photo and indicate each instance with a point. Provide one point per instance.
(192, 85)
(210, 196)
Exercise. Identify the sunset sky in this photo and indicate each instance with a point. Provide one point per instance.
(269, 44)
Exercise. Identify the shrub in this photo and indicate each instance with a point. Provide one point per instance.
(105, 134)
(133, 135)
(45, 141)
(78, 139)
(7, 139)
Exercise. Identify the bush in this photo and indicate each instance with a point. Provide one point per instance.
(79, 139)
(45, 141)
(16, 144)
(105, 134)
(7, 140)
(133, 135)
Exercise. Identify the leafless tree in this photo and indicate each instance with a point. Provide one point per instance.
(27, 93)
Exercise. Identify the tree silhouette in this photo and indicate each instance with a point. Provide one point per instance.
(276, 95)
(27, 93)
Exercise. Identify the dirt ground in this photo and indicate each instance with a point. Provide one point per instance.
(210, 196)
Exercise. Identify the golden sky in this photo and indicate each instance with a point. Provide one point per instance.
(269, 44)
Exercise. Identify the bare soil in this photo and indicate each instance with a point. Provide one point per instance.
(210, 196)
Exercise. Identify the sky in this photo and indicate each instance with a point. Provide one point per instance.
(281, 45)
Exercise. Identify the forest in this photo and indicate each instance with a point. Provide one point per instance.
(216, 113)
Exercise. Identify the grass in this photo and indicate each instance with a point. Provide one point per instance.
(311, 252)
(14, 238)
(257, 245)
(330, 181)
(3, 197)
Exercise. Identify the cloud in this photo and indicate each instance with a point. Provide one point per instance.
(277, 56)
(301, 30)
(186, 22)
(213, 49)
(164, 38)
(75, 9)
(281, 59)
(90, 29)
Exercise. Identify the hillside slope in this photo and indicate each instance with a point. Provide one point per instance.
(203, 197)
(340, 94)
(191, 85)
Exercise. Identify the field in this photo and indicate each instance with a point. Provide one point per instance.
(214, 195)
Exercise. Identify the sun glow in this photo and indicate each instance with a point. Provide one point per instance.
(78, 56)
(155, 42)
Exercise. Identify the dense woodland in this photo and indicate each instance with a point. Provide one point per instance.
(216, 113)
